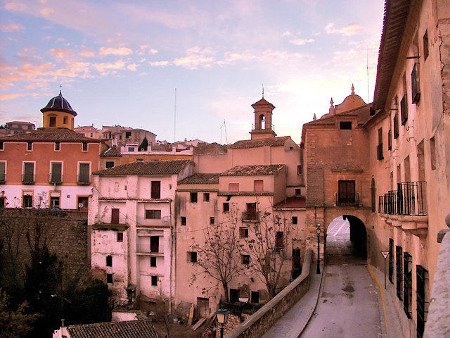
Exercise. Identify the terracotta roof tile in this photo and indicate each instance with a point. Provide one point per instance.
(201, 179)
(210, 149)
(49, 135)
(111, 152)
(125, 329)
(253, 170)
(145, 168)
(270, 142)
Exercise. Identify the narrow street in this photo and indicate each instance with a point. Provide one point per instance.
(348, 304)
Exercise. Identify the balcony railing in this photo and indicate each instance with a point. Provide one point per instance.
(408, 199)
(252, 216)
(347, 199)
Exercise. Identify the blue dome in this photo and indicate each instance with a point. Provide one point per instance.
(59, 103)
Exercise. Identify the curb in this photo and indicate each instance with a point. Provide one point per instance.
(381, 293)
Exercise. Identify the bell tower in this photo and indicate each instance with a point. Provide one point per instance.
(262, 127)
(58, 113)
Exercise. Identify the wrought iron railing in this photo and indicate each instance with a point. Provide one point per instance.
(408, 199)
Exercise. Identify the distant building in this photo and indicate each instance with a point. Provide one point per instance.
(132, 217)
(48, 167)
(17, 127)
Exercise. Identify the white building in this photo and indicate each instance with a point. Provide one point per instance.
(131, 219)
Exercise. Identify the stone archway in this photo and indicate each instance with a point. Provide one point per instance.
(346, 240)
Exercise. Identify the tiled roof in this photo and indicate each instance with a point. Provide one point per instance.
(253, 170)
(59, 103)
(111, 152)
(201, 179)
(271, 142)
(145, 168)
(362, 115)
(263, 102)
(50, 135)
(394, 22)
(291, 203)
(125, 329)
(210, 149)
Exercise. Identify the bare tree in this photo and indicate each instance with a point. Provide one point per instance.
(266, 245)
(219, 256)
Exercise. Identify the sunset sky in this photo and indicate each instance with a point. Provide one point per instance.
(119, 62)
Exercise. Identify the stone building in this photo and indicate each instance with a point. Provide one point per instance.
(131, 216)
(50, 166)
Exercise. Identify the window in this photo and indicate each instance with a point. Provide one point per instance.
(404, 109)
(389, 140)
(155, 189)
(279, 241)
(250, 214)
(109, 278)
(299, 169)
(120, 237)
(192, 256)
(109, 164)
(2, 145)
(52, 121)
(396, 129)
(65, 120)
(407, 283)
(27, 200)
(373, 195)
(211, 220)
(154, 243)
(391, 260)
(30, 146)
(183, 220)
(415, 84)
(254, 297)
(127, 134)
(2, 202)
(153, 262)
(245, 259)
(346, 192)
(84, 170)
(130, 149)
(154, 280)
(193, 197)
(233, 187)
(297, 193)
(258, 185)
(153, 214)
(85, 146)
(54, 202)
(433, 153)
(243, 232)
(345, 125)
(28, 173)
(55, 172)
(226, 207)
(57, 146)
(2, 172)
(109, 260)
(380, 145)
(206, 197)
(399, 271)
(425, 45)
(294, 220)
(115, 215)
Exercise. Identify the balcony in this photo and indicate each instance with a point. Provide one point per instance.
(346, 199)
(250, 216)
(408, 199)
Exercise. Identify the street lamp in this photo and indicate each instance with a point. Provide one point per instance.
(222, 317)
(318, 248)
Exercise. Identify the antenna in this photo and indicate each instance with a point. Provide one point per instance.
(262, 90)
(223, 127)
(175, 117)
(367, 66)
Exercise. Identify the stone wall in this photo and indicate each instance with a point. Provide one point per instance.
(259, 323)
(64, 232)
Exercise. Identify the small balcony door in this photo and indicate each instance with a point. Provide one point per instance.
(346, 192)
(115, 216)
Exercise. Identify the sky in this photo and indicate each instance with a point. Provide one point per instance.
(187, 69)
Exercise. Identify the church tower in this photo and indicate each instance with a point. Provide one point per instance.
(263, 127)
(58, 113)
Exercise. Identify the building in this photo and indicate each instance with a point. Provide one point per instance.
(51, 166)
(132, 220)
(17, 127)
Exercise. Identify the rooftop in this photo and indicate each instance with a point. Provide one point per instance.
(201, 179)
(111, 152)
(49, 135)
(265, 142)
(59, 103)
(291, 203)
(125, 329)
(253, 170)
(146, 168)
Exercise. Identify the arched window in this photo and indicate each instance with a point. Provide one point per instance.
(262, 121)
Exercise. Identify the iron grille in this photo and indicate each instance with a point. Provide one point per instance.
(391, 260)
(421, 279)
(407, 283)
(408, 199)
(399, 271)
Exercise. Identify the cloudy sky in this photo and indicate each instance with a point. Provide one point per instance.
(119, 62)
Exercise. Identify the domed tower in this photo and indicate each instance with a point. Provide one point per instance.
(263, 120)
(58, 113)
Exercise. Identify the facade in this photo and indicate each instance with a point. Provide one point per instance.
(48, 167)
(132, 219)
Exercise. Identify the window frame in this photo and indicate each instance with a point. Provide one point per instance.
(152, 214)
(3, 173)
(193, 197)
(119, 237)
(80, 164)
(154, 280)
(206, 197)
(52, 180)
(24, 164)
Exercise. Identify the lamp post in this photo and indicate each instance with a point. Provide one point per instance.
(318, 248)
(222, 317)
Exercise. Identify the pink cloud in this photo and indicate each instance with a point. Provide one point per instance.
(121, 51)
(60, 53)
(196, 57)
(11, 27)
(348, 30)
